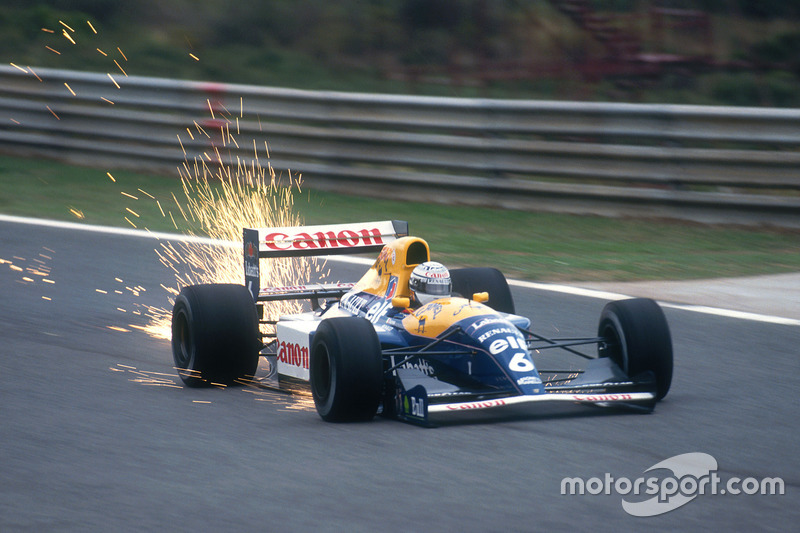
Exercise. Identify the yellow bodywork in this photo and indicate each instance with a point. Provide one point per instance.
(397, 259)
(433, 319)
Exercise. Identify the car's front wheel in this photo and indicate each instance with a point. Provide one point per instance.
(468, 281)
(635, 335)
(346, 369)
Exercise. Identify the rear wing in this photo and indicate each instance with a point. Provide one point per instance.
(299, 241)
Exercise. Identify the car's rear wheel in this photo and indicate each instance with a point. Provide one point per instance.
(215, 337)
(346, 369)
(468, 281)
(636, 337)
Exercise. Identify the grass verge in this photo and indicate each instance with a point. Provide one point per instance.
(534, 246)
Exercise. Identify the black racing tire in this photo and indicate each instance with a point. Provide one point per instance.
(346, 370)
(636, 337)
(215, 336)
(468, 281)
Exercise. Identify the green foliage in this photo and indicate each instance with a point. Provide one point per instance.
(377, 45)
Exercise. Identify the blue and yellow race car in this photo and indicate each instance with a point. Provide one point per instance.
(411, 339)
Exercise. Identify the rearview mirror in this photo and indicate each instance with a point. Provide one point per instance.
(401, 302)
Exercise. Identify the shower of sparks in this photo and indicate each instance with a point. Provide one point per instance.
(222, 193)
(221, 198)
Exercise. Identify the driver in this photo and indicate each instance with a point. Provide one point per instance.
(429, 280)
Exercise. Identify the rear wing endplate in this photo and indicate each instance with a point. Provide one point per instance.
(299, 241)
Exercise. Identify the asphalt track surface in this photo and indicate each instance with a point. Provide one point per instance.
(93, 437)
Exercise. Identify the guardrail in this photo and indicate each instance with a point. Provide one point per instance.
(711, 164)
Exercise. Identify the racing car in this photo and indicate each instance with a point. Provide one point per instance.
(410, 340)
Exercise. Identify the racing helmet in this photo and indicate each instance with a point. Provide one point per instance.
(430, 280)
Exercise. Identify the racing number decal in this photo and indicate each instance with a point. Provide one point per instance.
(520, 363)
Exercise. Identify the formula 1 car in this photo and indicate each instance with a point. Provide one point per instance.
(372, 347)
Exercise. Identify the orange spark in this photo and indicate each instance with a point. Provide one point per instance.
(110, 176)
(92, 27)
(194, 57)
(105, 54)
(122, 54)
(36, 75)
(65, 25)
(53, 112)
(106, 100)
(53, 50)
(113, 80)
(15, 121)
(18, 68)
(120, 67)
(68, 37)
(70, 89)
(48, 30)
(123, 193)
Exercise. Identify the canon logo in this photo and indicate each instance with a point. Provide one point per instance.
(604, 397)
(293, 354)
(323, 239)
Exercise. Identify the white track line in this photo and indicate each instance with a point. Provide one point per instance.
(706, 310)
(564, 289)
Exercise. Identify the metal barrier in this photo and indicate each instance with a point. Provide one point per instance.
(711, 164)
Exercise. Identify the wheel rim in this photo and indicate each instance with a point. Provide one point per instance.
(613, 345)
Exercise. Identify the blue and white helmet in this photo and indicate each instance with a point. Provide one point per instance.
(429, 281)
